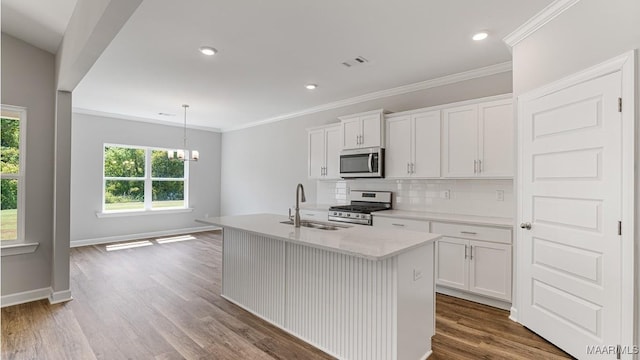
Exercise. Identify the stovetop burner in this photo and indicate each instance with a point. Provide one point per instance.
(363, 203)
(365, 209)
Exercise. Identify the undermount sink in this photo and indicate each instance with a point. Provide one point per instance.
(316, 225)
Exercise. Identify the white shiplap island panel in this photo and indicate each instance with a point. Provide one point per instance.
(356, 293)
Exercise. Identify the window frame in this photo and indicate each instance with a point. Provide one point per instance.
(148, 180)
(19, 113)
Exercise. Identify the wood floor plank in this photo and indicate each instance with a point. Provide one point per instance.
(163, 302)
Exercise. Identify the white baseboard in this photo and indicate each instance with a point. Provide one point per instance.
(111, 239)
(514, 314)
(25, 297)
(500, 304)
(57, 297)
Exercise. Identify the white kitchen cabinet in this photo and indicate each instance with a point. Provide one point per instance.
(362, 130)
(324, 152)
(478, 140)
(413, 145)
(476, 266)
(400, 224)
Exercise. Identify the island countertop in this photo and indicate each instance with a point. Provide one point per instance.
(356, 240)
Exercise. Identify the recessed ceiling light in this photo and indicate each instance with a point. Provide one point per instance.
(480, 36)
(207, 50)
(311, 86)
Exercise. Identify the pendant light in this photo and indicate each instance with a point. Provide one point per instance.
(180, 154)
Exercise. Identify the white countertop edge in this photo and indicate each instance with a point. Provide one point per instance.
(452, 218)
(432, 238)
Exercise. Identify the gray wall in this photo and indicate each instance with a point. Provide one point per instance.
(590, 32)
(28, 81)
(262, 165)
(88, 136)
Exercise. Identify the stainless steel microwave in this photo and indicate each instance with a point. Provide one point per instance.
(362, 163)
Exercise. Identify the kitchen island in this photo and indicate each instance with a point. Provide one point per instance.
(357, 292)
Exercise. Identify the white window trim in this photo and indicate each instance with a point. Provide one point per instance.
(148, 188)
(20, 245)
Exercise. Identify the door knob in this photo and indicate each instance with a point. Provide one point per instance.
(526, 226)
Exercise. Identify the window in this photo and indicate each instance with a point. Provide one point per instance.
(12, 158)
(141, 178)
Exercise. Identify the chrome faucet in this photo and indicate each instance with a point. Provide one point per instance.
(296, 219)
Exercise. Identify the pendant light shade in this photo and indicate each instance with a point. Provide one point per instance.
(182, 154)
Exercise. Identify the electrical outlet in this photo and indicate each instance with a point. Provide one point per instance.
(417, 274)
(500, 195)
(445, 194)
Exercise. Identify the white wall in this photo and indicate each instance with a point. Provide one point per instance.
(90, 133)
(262, 165)
(28, 81)
(588, 33)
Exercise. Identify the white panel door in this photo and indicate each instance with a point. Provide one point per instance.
(315, 153)
(351, 130)
(332, 150)
(398, 151)
(569, 261)
(452, 267)
(426, 144)
(371, 131)
(460, 137)
(490, 269)
(496, 147)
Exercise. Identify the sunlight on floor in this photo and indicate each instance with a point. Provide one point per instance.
(175, 239)
(128, 245)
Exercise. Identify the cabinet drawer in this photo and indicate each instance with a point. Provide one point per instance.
(472, 232)
(404, 224)
(314, 215)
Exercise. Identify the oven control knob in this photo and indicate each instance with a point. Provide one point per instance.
(335, 213)
(348, 215)
(357, 215)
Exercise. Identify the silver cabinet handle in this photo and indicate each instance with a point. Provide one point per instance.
(526, 226)
(401, 225)
(408, 165)
(413, 165)
(468, 232)
(357, 139)
(479, 166)
(465, 251)
(471, 252)
(475, 166)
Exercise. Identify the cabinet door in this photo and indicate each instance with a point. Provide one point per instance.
(371, 130)
(351, 133)
(460, 137)
(496, 148)
(426, 144)
(316, 153)
(490, 269)
(332, 149)
(452, 267)
(398, 152)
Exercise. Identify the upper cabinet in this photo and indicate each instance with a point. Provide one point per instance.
(478, 140)
(413, 145)
(362, 130)
(324, 152)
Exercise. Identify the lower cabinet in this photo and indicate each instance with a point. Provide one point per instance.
(480, 267)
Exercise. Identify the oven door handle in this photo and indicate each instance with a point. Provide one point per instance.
(371, 162)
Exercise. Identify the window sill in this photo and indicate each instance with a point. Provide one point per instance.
(18, 248)
(110, 214)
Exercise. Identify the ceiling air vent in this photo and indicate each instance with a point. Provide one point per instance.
(355, 61)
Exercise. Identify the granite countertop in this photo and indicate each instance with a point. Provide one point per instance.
(456, 218)
(355, 240)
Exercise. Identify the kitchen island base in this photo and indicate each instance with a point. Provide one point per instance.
(348, 306)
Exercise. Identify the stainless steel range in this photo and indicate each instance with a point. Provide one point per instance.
(363, 203)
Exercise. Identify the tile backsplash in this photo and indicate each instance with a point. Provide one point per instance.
(467, 197)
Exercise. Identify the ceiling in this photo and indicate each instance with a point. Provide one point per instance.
(39, 22)
(268, 51)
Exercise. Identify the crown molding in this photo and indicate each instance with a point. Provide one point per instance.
(547, 14)
(423, 85)
(141, 119)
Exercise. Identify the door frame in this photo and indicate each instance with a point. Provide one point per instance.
(626, 64)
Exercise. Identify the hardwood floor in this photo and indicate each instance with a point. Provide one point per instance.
(162, 301)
